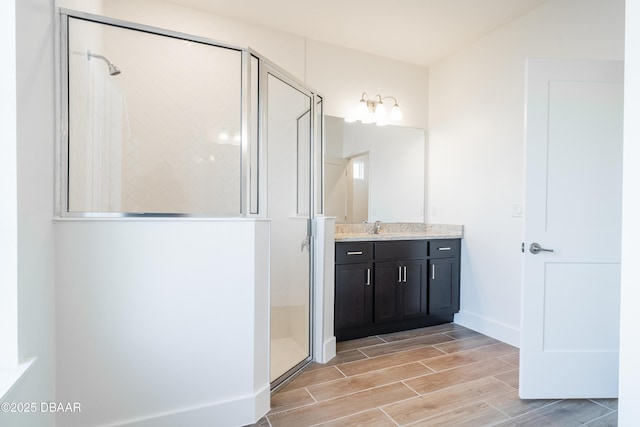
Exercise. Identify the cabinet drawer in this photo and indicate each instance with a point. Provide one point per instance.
(354, 252)
(400, 249)
(444, 248)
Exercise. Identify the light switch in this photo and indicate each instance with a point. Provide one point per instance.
(516, 210)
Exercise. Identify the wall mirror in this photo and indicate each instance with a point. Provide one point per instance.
(374, 172)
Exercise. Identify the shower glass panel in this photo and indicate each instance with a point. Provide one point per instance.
(163, 136)
(289, 149)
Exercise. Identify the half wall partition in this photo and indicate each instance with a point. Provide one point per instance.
(160, 124)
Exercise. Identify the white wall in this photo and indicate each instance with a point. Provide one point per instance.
(361, 72)
(630, 315)
(324, 338)
(8, 190)
(162, 323)
(476, 142)
(30, 134)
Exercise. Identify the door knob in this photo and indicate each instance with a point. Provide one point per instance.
(535, 248)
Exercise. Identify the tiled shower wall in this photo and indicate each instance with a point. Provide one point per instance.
(150, 140)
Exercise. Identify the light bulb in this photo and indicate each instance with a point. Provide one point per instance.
(396, 113)
(380, 112)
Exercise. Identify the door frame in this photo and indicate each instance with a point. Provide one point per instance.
(265, 69)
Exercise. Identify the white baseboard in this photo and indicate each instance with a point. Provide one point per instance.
(489, 327)
(231, 413)
(329, 350)
(11, 375)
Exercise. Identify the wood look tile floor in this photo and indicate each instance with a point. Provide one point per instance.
(443, 375)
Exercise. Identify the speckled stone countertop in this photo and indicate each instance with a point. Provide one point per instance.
(397, 231)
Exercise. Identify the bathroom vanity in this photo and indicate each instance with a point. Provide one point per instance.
(406, 276)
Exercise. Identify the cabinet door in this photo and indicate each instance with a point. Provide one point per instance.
(387, 304)
(443, 286)
(353, 295)
(400, 290)
(414, 288)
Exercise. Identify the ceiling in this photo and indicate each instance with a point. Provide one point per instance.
(416, 31)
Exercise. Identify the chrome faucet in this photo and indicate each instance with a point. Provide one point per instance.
(376, 228)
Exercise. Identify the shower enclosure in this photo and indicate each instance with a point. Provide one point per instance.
(158, 123)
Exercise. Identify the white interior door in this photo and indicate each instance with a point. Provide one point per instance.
(571, 296)
(288, 152)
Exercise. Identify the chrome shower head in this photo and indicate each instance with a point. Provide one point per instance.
(113, 70)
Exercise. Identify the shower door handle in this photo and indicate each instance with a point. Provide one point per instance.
(306, 243)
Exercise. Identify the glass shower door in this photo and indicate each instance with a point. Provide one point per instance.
(288, 155)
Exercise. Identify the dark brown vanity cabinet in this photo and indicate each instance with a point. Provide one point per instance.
(400, 281)
(387, 286)
(444, 272)
(400, 291)
(354, 295)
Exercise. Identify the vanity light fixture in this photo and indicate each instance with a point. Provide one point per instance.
(373, 110)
